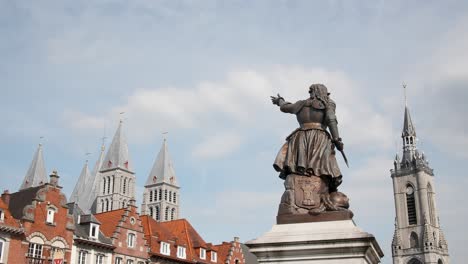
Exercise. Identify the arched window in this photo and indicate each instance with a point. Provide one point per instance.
(411, 140)
(151, 196)
(35, 248)
(113, 183)
(173, 213)
(104, 186)
(160, 194)
(430, 199)
(151, 211)
(414, 261)
(50, 215)
(107, 205)
(108, 184)
(102, 205)
(124, 203)
(174, 200)
(440, 262)
(157, 213)
(124, 185)
(155, 194)
(166, 214)
(411, 205)
(165, 195)
(414, 241)
(170, 196)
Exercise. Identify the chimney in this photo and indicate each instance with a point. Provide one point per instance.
(54, 178)
(6, 197)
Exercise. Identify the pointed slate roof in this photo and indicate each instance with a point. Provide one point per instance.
(408, 127)
(78, 195)
(117, 156)
(36, 174)
(163, 169)
(86, 202)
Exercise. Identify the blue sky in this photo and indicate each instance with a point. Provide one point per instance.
(204, 71)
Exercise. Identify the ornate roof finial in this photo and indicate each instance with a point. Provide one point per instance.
(404, 89)
(121, 116)
(165, 135)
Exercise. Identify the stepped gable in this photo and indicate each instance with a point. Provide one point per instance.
(19, 200)
(110, 220)
(229, 252)
(9, 224)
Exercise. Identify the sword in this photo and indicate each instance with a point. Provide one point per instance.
(344, 157)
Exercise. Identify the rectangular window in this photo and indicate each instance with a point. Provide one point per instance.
(82, 257)
(165, 249)
(129, 261)
(181, 252)
(35, 250)
(118, 260)
(99, 259)
(214, 256)
(1, 250)
(94, 231)
(50, 215)
(131, 240)
(2, 215)
(202, 253)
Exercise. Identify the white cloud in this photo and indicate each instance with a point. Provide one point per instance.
(217, 145)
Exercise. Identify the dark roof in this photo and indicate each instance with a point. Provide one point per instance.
(82, 228)
(21, 199)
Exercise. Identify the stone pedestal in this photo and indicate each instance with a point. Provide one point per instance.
(331, 242)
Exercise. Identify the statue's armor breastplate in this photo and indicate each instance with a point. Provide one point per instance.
(313, 111)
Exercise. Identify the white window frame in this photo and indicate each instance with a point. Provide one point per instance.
(131, 240)
(181, 252)
(165, 248)
(37, 250)
(2, 248)
(118, 260)
(2, 215)
(202, 253)
(214, 256)
(82, 254)
(99, 259)
(129, 261)
(96, 233)
(50, 215)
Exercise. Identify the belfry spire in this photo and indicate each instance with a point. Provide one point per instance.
(117, 155)
(163, 169)
(78, 195)
(92, 185)
(36, 174)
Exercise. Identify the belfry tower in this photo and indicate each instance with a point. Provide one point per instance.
(161, 197)
(418, 237)
(116, 179)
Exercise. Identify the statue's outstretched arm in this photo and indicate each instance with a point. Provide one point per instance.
(285, 107)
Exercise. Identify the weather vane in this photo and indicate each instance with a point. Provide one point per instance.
(404, 89)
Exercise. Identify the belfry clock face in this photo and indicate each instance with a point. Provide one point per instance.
(409, 190)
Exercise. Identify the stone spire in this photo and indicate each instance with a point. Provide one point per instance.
(163, 170)
(117, 155)
(36, 174)
(78, 195)
(408, 127)
(92, 185)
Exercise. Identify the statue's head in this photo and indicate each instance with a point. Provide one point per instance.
(319, 91)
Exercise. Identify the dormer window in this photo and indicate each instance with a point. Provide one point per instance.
(214, 256)
(94, 231)
(202, 253)
(181, 252)
(165, 248)
(50, 215)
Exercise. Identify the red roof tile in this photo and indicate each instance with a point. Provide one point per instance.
(109, 221)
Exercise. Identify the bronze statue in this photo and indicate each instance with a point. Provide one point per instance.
(307, 161)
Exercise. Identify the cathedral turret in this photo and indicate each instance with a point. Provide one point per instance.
(77, 195)
(36, 174)
(417, 222)
(161, 196)
(116, 179)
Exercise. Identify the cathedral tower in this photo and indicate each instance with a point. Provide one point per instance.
(116, 179)
(418, 236)
(161, 196)
(36, 174)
